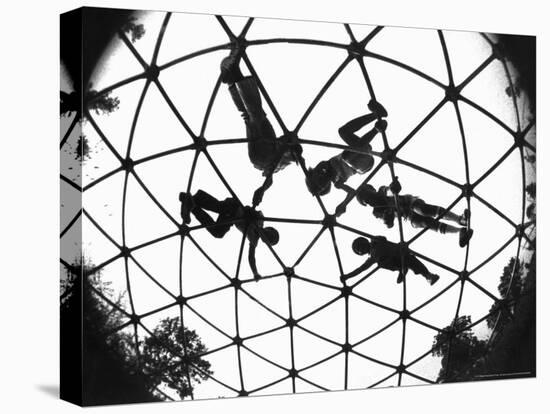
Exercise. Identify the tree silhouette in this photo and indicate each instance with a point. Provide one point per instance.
(513, 351)
(511, 273)
(101, 105)
(510, 288)
(82, 149)
(98, 366)
(531, 191)
(513, 90)
(69, 103)
(531, 210)
(136, 31)
(110, 369)
(172, 356)
(459, 347)
(104, 104)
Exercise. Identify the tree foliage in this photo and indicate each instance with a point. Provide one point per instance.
(459, 347)
(463, 354)
(101, 105)
(112, 371)
(513, 350)
(136, 31)
(104, 104)
(68, 103)
(82, 150)
(531, 191)
(510, 280)
(510, 288)
(172, 356)
(97, 366)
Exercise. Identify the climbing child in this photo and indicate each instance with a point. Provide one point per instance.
(266, 152)
(413, 209)
(387, 255)
(342, 166)
(230, 211)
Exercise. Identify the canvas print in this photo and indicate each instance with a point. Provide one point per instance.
(255, 206)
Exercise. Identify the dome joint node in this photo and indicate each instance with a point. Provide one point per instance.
(346, 347)
(289, 271)
(452, 93)
(134, 319)
(292, 142)
(388, 155)
(519, 139)
(356, 50)
(200, 143)
(152, 72)
(127, 164)
(346, 291)
(180, 300)
(467, 190)
(184, 229)
(240, 44)
(519, 230)
(125, 251)
(329, 220)
(236, 283)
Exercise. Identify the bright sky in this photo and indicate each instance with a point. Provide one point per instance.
(293, 75)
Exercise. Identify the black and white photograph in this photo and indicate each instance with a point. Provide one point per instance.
(258, 206)
(292, 206)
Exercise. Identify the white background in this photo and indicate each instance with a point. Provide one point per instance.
(29, 172)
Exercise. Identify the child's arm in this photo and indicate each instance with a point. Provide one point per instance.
(341, 208)
(344, 186)
(370, 261)
(259, 193)
(253, 243)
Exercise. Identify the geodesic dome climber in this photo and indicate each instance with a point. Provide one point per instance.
(179, 212)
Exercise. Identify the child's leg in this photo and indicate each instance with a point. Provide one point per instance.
(229, 68)
(347, 131)
(204, 219)
(431, 210)
(418, 267)
(377, 108)
(425, 209)
(464, 234)
(262, 140)
(449, 215)
(238, 102)
(221, 227)
(204, 200)
(251, 99)
(419, 221)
